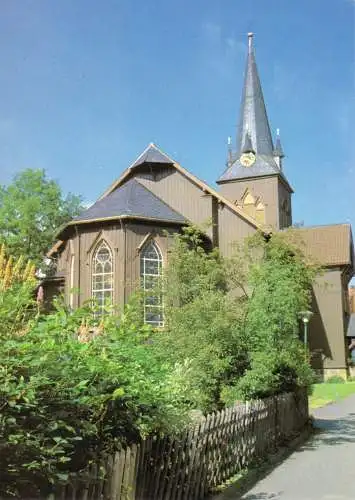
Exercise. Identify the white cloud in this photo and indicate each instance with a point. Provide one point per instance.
(220, 49)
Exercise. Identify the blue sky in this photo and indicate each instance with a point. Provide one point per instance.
(86, 85)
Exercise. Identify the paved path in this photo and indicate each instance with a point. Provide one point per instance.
(323, 468)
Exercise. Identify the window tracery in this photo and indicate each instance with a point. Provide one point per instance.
(102, 277)
(151, 262)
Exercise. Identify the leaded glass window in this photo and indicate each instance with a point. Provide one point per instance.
(151, 270)
(102, 277)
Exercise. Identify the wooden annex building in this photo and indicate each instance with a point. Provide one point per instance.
(121, 241)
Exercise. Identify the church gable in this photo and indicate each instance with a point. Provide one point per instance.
(131, 199)
(178, 188)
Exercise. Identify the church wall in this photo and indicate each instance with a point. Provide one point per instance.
(124, 240)
(327, 335)
(264, 187)
(181, 194)
(136, 235)
(285, 206)
(84, 246)
(62, 263)
(231, 229)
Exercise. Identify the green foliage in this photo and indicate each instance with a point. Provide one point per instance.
(31, 210)
(335, 379)
(73, 385)
(280, 284)
(202, 322)
(63, 401)
(235, 321)
(272, 372)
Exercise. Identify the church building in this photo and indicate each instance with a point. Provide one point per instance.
(121, 241)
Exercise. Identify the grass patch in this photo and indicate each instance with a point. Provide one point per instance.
(329, 393)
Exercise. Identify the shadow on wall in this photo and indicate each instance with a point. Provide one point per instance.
(318, 338)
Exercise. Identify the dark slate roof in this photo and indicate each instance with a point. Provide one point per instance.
(253, 117)
(131, 199)
(264, 165)
(247, 146)
(152, 155)
(351, 326)
(254, 130)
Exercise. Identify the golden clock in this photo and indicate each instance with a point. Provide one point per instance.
(247, 159)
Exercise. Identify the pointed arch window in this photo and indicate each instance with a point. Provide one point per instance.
(151, 263)
(102, 276)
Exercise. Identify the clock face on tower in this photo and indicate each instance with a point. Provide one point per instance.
(247, 159)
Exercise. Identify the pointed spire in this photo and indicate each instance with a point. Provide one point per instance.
(253, 117)
(278, 151)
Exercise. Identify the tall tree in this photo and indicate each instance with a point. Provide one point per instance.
(32, 208)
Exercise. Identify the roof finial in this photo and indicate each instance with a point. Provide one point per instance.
(250, 40)
(278, 151)
(229, 152)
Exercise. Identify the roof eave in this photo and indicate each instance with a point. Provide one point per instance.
(261, 176)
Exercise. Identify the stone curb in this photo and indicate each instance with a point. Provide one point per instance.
(255, 474)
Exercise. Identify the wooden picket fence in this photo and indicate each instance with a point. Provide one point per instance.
(191, 465)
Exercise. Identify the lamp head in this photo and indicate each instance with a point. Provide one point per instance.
(305, 316)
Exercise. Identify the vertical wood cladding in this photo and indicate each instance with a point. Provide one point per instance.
(265, 188)
(84, 243)
(327, 335)
(181, 194)
(231, 229)
(285, 206)
(137, 234)
(124, 240)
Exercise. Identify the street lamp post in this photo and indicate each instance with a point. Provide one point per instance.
(305, 316)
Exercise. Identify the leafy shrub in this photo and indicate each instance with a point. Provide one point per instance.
(63, 401)
(335, 379)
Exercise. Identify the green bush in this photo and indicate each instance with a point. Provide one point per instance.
(63, 401)
(335, 380)
(72, 387)
(235, 321)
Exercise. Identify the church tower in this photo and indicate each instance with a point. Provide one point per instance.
(254, 178)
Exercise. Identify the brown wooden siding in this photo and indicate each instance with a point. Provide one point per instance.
(84, 245)
(231, 229)
(136, 234)
(285, 207)
(181, 194)
(327, 335)
(266, 188)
